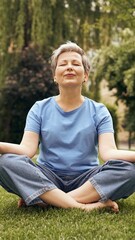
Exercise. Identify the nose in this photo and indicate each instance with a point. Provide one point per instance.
(69, 66)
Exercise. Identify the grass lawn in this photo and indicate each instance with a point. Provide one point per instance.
(34, 223)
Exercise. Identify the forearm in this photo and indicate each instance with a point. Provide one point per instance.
(120, 154)
(14, 148)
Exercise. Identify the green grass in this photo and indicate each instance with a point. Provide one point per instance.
(34, 223)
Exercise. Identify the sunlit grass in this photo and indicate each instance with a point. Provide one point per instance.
(59, 224)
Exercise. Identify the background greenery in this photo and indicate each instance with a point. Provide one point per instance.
(31, 30)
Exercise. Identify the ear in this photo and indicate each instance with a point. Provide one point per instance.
(86, 77)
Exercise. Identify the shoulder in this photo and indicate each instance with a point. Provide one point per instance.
(102, 117)
(95, 106)
(99, 112)
(40, 105)
(43, 102)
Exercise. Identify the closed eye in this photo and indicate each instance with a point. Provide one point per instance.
(76, 64)
(64, 64)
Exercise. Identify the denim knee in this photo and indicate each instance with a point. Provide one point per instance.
(125, 169)
(115, 180)
(4, 159)
(130, 171)
(9, 161)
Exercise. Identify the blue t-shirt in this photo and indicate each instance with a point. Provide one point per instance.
(68, 140)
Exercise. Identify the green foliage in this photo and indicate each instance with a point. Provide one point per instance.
(23, 22)
(129, 123)
(30, 80)
(51, 22)
(41, 22)
(90, 23)
(48, 23)
(123, 13)
(85, 91)
(117, 66)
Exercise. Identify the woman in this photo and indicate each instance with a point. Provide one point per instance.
(71, 129)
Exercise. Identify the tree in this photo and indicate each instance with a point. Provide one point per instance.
(115, 16)
(117, 66)
(23, 23)
(51, 22)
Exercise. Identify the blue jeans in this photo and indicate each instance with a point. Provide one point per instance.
(19, 175)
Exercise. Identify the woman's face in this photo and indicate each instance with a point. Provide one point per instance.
(69, 70)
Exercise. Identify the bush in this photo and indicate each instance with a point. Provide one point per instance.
(30, 80)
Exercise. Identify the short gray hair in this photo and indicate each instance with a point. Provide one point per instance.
(67, 47)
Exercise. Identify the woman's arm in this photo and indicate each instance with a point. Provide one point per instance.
(108, 149)
(28, 145)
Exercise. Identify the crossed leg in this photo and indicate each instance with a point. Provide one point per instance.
(84, 197)
(85, 193)
(88, 195)
(75, 199)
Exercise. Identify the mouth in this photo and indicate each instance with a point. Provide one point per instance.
(69, 75)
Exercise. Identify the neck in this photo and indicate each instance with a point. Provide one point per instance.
(69, 101)
(68, 95)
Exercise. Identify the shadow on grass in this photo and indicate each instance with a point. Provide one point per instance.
(9, 208)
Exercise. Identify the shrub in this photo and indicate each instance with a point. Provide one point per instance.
(30, 80)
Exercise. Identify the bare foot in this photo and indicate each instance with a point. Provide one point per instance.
(108, 204)
(21, 203)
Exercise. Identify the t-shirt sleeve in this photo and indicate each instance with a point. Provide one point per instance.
(33, 119)
(104, 120)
